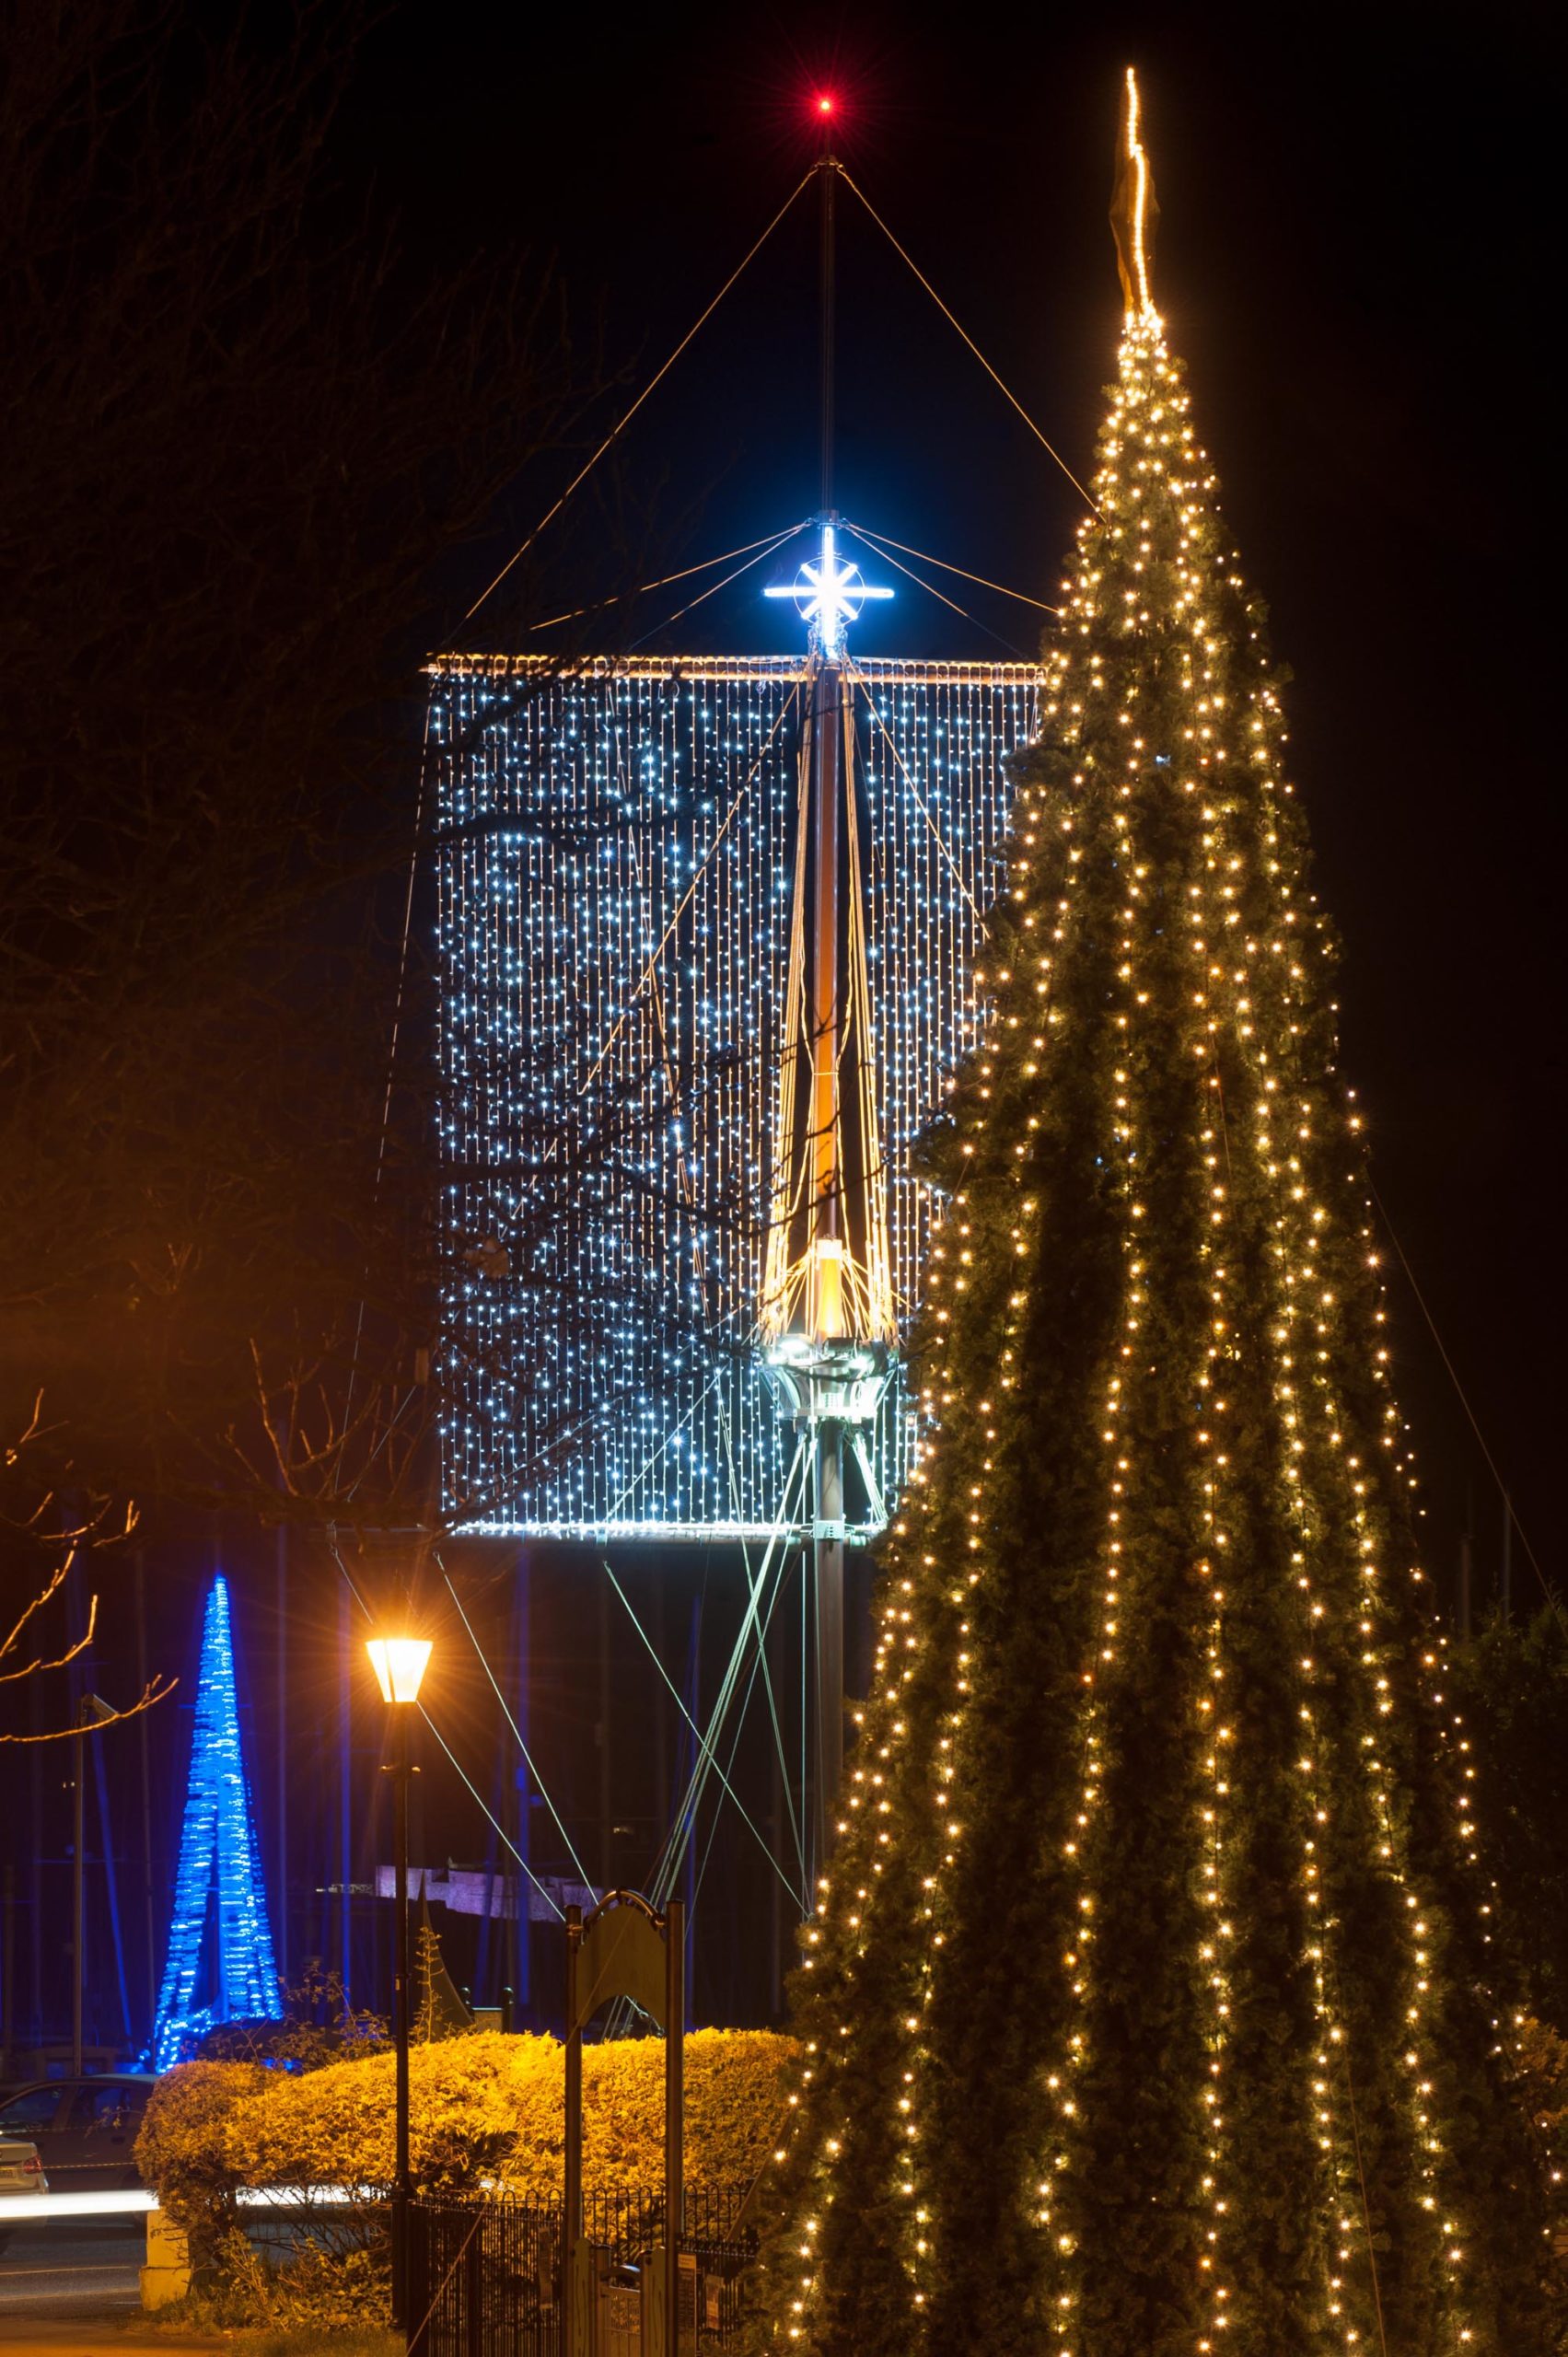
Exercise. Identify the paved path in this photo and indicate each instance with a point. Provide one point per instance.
(22, 2337)
(71, 2267)
(70, 2289)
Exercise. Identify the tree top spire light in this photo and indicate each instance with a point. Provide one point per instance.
(1134, 215)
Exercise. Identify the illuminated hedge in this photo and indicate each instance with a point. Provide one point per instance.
(484, 2108)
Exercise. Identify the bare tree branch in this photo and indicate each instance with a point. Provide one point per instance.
(158, 1691)
(62, 1549)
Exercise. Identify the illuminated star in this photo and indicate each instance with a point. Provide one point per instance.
(828, 593)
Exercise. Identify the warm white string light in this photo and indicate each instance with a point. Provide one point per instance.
(1291, 1343)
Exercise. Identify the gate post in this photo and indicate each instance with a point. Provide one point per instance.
(416, 2229)
(473, 2292)
(674, 2115)
(572, 2188)
(624, 1949)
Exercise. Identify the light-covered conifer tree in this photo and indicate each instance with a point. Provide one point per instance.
(1151, 2005)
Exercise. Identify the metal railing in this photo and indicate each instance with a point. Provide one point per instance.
(484, 2276)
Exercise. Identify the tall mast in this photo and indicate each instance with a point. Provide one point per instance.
(826, 701)
(827, 174)
(828, 1325)
(826, 723)
(828, 1172)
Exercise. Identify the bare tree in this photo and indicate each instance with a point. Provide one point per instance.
(240, 430)
(55, 1544)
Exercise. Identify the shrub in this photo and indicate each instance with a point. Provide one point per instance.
(484, 2108)
(318, 2025)
(320, 2290)
(182, 2151)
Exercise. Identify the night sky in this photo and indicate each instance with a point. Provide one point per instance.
(1354, 260)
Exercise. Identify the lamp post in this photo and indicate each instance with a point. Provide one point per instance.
(90, 1712)
(400, 1663)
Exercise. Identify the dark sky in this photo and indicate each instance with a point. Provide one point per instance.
(1358, 261)
(1355, 260)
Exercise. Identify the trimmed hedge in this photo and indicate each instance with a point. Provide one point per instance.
(483, 2108)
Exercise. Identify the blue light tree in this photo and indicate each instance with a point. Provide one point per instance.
(217, 1851)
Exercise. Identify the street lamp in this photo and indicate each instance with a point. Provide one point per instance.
(399, 1663)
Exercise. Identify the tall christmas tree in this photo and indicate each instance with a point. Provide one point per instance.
(1149, 2008)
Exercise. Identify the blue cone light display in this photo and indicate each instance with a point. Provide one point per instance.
(219, 1880)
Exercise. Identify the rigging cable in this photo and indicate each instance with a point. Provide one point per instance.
(759, 1663)
(785, 710)
(543, 1888)
(704, 1744)
(693, 603)
(543, 1790)
(1547, 1589)
(728, 1438)
(768, 539)
(936, 834)
(680, 1832)
(685, 1820)
(880, 540)
(622, 422)
(932, 591)
(975, 347)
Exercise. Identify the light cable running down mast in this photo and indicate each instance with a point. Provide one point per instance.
(828, 1323)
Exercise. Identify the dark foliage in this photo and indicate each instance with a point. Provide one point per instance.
(1511, 1685)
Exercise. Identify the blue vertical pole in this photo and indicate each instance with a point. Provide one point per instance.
(113, 1889)
(688, 1863)
(280, 1877)
(522, 1650)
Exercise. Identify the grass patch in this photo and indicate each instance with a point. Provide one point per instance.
(315, 2340)
(276, 2339)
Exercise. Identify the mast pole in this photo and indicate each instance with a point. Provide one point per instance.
(828, 1550)
(827, 174)
(829, 1338)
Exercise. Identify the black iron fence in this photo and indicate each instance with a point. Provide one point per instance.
(484, 2276)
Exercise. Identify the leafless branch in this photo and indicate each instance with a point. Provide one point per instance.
(156, 1690)
(61, 1549)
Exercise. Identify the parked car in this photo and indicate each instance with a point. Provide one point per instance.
(21, 2171)
(85, 2128)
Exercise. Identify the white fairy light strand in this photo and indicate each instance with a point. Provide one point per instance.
(614, 874)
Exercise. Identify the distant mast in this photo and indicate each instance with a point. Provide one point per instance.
(828, 1323)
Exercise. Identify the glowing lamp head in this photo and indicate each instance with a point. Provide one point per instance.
(399, 1665)
(825, 105)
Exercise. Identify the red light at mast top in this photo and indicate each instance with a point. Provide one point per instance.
(825, 104)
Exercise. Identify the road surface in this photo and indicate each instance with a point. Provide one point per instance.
(70, 2268)
(69, 2289)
